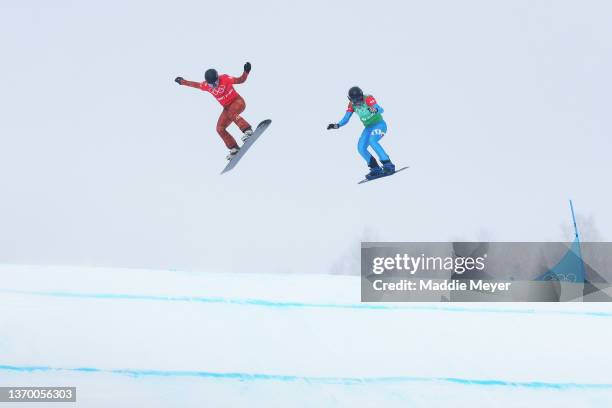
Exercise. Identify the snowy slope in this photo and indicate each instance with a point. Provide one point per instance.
(168, 338)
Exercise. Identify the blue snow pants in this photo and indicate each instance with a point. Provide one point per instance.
(371, 136)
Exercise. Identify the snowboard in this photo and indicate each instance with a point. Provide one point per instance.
(388, 175)
(247, 145)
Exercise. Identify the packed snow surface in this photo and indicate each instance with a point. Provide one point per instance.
(129, 338)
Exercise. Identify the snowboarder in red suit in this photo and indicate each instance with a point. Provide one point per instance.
(222, 88)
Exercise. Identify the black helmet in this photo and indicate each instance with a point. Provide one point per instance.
(355, 94)
(211, 76)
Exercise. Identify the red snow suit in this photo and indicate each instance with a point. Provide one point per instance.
(232, 102)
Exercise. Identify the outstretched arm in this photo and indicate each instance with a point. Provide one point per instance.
(245, 74)
(241, 78)
(342, 122)
(181, 81)
(346, 118)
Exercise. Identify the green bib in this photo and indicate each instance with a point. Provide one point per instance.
(363, 111)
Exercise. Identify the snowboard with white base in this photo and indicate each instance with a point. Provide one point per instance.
(246, 146)
(383, 176)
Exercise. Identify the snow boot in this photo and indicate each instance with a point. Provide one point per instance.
(233, 151)
(375, 170)
(388, 167)
(247, 133)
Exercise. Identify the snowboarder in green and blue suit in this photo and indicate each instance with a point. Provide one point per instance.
(370, 113)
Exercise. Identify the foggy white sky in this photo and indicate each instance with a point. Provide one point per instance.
(502, 110)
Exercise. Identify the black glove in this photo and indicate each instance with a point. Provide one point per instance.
(373, 109)
(333, 126)
(178, 80)
(247, 67)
